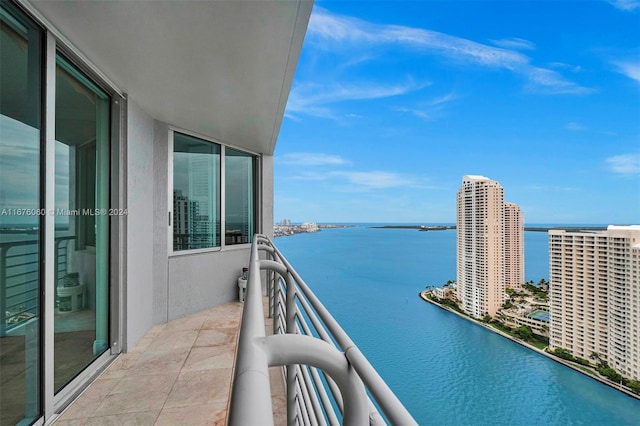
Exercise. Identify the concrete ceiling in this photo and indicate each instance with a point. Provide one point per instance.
(220, 68)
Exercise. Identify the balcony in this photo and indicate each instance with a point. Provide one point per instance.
(222, 366)
(179, 373)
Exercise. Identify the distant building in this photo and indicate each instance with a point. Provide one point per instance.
(513, 246)
(310, 227)
(594, 295)
(444, 293)
(184, 214)
(490, 246)
(537, 322)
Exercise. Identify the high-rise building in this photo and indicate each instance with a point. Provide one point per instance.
(490, 246)
(183, 213)
(513, 246)
(203, 192)
(594, 295)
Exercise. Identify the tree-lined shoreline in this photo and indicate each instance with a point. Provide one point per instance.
(571, 363)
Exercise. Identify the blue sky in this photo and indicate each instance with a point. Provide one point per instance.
(393, 102)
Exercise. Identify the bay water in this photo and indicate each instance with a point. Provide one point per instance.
(445, 369)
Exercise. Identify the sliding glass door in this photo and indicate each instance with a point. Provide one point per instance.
(81, 222)
(54, 304)
(21, 206)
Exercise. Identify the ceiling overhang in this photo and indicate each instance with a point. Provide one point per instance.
(219, 68)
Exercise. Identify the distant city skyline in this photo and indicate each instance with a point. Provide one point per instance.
(393, 102)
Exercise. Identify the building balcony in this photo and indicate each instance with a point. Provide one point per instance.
(278, 358)
(179, 373)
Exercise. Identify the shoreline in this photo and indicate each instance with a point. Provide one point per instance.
(569, 228)
(594, 376)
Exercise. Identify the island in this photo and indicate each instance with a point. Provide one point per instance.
(286, 229)
(418, 227)
(572, 228)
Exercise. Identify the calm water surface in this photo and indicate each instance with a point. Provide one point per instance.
(446, 370)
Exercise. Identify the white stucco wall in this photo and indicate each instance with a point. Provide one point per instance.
(140, 204)
(160, 222)
(202, 281)
(266, 211)
(162, 287)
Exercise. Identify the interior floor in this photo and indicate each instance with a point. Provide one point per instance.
(73, 343)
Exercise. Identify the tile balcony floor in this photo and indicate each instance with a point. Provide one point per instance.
(178, 374)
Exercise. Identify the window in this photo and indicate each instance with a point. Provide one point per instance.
(196, 193)
(82, 164)
(21, 217)
(239, 197)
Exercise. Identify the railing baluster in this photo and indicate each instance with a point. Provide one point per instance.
(295, 345)
(328, 410)
(316, 415)
(3, 290)
(20, 278)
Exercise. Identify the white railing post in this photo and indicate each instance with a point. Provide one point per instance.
(346, 370)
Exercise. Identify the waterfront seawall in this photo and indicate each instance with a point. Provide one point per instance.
(423, 296)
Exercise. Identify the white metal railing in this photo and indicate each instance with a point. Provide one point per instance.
(328, 379)
(20, 279)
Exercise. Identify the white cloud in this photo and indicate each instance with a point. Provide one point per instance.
(351, 181)
(428, 110)
(414, 111)
(19, 164)
(376, 179)
(574, 126)
(625, 164)
(548, 81)
(360, 179)
(443, 99)
(562, 65)
(550, 188)
(331, 31)
(331, 27)
(369, 180)
(313, 98)
(626, 5)
(514, 43)
(312, 159)
(631, 70)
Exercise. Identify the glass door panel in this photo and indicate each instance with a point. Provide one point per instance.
(82, 222)
(20, 217)
(240, 197)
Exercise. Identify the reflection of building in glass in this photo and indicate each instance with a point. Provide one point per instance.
(246, 199)
(191, 230)
(200, 230)
(239, 201)
(183, 211)
(202, 192)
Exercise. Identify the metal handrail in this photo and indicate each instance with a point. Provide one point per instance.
(326, 373)
(19, 278)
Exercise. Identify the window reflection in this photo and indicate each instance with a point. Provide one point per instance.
(82, 227)
(20, 203)
(196, 193)
(240, 197)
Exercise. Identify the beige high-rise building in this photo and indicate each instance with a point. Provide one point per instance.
(595, 295)
(486, 242)
(513, 246)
